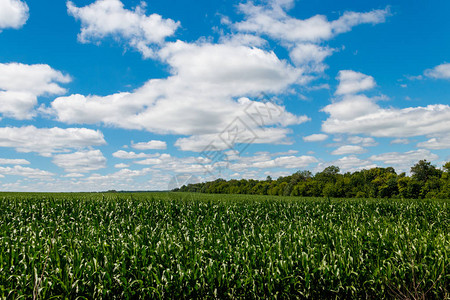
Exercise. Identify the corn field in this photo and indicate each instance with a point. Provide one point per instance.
(179, 245)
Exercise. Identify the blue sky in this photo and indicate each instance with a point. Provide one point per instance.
(127, 95)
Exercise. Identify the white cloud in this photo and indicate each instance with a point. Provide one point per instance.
(301, 37)
(150, 145)
(37, 79)
(350, 19)
(130, 155)
(8, 161)
(349, 149)
(168, 163)
(109, 18)
(310, 55)
(73, 175)
(162, 167)
(21, 84)
(13, 14)
(208, 81)
(242, 39)
(348, 164)
(236, 135)
(233, 70)
(351, 82)
(126, 179)
(319, 137)
(360, 115)
(365, 142)
(270, 160)
(439, 142)
(150, 161)
(203, 72)
(400, 141)
(231, 162)
(403, 161)
(289, 162)
(281, 4)
(274, 22)
(439, 72)
(25, 172)
(80, 162)
(46, 141)
(350, 108)
(122, 180)
(121, 166)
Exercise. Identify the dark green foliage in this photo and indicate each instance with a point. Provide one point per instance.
(426, 181)
(179, 245)
(424, 171)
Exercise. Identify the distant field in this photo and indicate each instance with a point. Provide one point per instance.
(179, 245)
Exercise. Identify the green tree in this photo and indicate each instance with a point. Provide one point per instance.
(424, 170)
(446, 167)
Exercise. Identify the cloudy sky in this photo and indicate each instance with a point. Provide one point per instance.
(130, 94)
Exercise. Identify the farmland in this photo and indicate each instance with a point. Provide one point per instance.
(183, 245)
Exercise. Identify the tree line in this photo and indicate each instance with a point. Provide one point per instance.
(425, 181)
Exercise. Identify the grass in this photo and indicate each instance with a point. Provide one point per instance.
(179, 245)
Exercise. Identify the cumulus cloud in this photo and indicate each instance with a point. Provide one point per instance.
(150, 145)
(81, 161)
(351, 82)
(109, 18)
(209, 169)
(208, 81)
(404, 160)
(363, 141)
(123, 179)
(319, 137)
(21, 84)
(13, 14)
(232, 69)
(301, 37)
(360, 115)
(274, 22)
(243, 39)
(119, 175)
(350, 107)
(130, 155)
(350, 19)
(439, 72)
(310, 55)
(265, 160)
(46, 141)
(161, 167)
(400, 141)
(349, 149)
(439, 142)
(25, 172)
(348, 164)
(9, 161)
(73, 175)
(121, 166)
(238, 133)
(150, 161)
(289, 162)
(167, 162)
(214, 82)
(201, 73)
